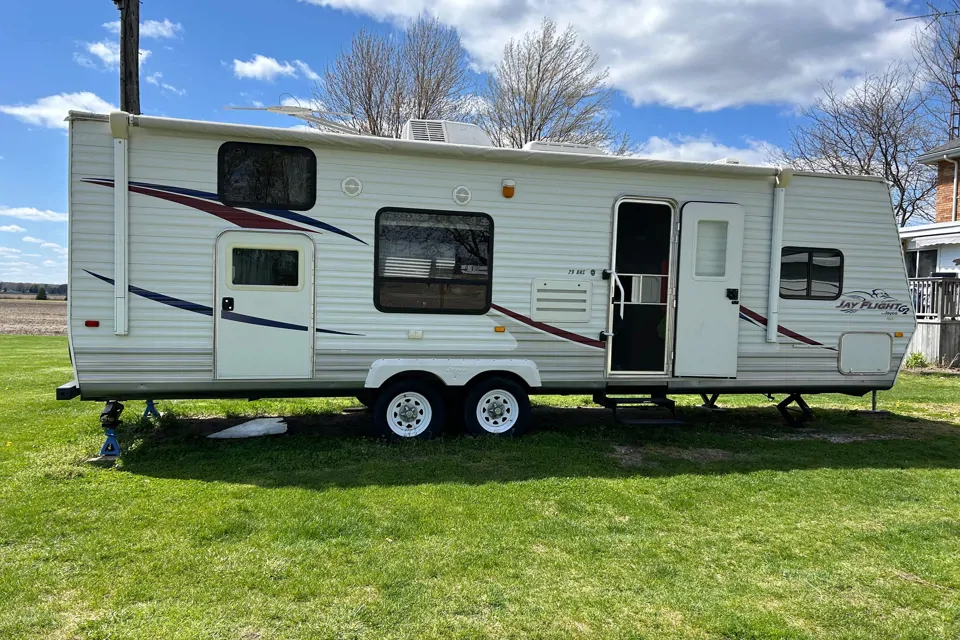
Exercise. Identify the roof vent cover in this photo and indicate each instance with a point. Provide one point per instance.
(445, 131)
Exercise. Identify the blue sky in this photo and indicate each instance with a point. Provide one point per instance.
(696, 79)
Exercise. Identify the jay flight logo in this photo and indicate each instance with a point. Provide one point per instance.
(876, 300)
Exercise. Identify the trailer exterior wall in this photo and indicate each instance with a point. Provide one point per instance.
(560, 220)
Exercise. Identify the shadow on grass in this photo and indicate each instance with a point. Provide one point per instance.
(335, 450)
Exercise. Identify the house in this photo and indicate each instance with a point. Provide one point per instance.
(932, 256)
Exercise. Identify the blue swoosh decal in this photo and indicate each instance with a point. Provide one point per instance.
(186, 305)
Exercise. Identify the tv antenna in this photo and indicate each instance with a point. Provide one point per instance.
(933, 17)
(307, 114)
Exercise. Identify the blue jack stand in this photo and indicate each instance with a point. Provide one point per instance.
(151, 411)
(110, 420)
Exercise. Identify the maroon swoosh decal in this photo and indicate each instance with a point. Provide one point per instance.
(780, 329)
(560, 333)
(241, 218)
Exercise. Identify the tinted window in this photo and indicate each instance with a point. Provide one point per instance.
(267, 176)
(812, 274)
(433, 262)
(266, 267)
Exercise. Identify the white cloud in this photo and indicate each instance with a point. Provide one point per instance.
(11, 228)
(9, 251)
(50, 112)
(297, 101)
(156, 79)
(705, 149)
(305, 69)
(31, 255)
(107, 52)
(49, 263)
(150, 28)
(263, 68)
(33, 240)
(700, 54)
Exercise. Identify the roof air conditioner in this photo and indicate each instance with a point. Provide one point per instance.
(445, 131)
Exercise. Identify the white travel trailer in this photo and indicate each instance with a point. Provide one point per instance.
(437, 273)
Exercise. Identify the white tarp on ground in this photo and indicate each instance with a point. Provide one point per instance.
(253, 428)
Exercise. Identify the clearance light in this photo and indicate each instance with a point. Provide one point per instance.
(92, 323)
(508, 188)
(499, 329)
(898, 334)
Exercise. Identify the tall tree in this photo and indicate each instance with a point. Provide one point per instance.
(937, 47)
(380, 81)
(547, 86)
(879, 127)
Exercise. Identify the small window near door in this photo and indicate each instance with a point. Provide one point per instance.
(265, 267)
(433, 262)
(266, 176)
(711, 252)
(921, 264)
(811, 274)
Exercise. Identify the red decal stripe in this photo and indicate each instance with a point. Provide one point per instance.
(241, 218)
(780, 329)
(560, 333)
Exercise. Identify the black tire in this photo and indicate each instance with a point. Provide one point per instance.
(423, 399)
(512, 400)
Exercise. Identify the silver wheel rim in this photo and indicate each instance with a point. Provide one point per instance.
(497, 411)
(409, 414)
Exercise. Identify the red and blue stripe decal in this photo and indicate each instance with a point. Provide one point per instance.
(208, 203)
(204, 310)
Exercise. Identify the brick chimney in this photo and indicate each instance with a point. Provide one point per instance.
(945, 193)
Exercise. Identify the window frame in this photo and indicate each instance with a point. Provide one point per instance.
(301, 269)
(809, 288)
(259, 205)
(377, 278)
(916, 262)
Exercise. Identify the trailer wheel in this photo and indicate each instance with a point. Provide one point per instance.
(498, 407)
(409, 409)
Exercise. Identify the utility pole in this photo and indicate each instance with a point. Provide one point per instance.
(129, 55)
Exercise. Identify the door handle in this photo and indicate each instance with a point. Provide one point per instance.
(733, 295)
(226, 304)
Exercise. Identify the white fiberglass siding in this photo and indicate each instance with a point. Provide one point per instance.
(557, 224)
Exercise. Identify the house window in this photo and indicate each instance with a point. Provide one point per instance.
(265, 267)
(266, 176)
(811, 274)
(433, 262)
(921, 264)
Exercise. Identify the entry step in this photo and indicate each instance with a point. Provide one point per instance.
(639, 405)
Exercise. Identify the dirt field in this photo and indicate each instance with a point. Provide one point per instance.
(33, 317)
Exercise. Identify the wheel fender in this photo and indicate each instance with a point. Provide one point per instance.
(453, 372)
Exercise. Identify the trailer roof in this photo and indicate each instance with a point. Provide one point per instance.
(441, 149)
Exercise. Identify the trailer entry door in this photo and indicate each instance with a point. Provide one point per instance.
(264, 308)
(708, 290)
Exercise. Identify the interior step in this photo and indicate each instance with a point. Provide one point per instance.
(639, 405)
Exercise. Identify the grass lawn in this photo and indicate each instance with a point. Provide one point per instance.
(732, 526)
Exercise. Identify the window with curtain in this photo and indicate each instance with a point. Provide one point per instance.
(811, 274)
(433, 262)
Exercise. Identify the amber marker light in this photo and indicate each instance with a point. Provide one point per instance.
(508, 187)
(499, 329)
(898, 334)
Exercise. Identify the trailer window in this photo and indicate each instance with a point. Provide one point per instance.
(811, 274)
(433, 262)
(265, 267)
(266, 176)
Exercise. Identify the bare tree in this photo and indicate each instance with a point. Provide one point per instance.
(937, 46)
(381, 81)
(879, 127)
(547, 87)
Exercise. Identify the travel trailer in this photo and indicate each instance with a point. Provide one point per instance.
(437, 274)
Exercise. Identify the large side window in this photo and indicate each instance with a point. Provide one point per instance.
(433, 262)
(266, 176)
(811, 274)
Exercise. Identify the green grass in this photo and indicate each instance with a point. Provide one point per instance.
(732, 526)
